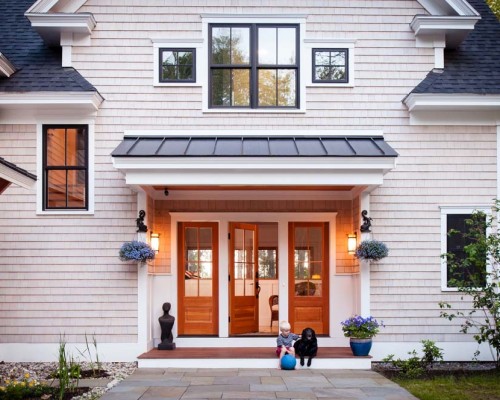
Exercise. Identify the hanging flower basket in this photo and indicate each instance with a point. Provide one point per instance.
(371, 250)
(136, 251)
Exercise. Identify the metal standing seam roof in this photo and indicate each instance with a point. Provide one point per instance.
(253, 146)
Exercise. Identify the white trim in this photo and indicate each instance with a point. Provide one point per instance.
(282, 220)
(364, 283)
(25, 108)
(158, 43)
(51, 26)
(348, 44)
(453, 109)
(454, 209)
(299, 19)
(448, 7)
(39, 167)
(16, 177)
(255, 132)
(450, 30)
(6, 67)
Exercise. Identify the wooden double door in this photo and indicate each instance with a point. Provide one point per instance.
(198, 274)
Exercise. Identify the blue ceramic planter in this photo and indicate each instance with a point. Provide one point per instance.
(360, 347)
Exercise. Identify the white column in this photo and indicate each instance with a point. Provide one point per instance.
(144, 328)
(365, 308)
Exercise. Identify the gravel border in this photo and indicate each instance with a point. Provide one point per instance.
(41, 370)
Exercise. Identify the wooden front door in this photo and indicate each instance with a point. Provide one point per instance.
(197, 272)
(308, 276)
(243, 282)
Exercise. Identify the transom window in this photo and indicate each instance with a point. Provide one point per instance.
(65, 167)
(330, 65)
(254, 66)
(177, 65)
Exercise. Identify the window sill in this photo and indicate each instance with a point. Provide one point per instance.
(64, 212)
(331, 85)
(252, 111)
(177, 84)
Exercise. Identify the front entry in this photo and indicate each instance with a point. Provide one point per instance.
(243, 279)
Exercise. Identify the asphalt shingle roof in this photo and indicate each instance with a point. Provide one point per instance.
(474, 67)
(39, 66)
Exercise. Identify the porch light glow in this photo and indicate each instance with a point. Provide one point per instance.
(155, 242)
(352, 242)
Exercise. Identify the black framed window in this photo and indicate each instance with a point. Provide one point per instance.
(459, 270)
(65, 167)
(177, 65)
(330, 65)
(254, 66)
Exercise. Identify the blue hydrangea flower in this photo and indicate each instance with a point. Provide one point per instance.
(136, 251)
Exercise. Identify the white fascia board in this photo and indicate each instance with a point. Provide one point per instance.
(45, 6)
(91, 99)
(6, 67)
(25, 108)
(453, 109)
(16, 177)
(456, 102)
(254, 171)
(453, 29)
(448, 7)
(50, 26)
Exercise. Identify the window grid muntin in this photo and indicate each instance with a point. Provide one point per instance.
(47, 168)
(177, 50)
(254, 66)
(330, 50)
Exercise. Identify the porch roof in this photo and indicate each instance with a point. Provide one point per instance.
(282, 160)
(253, 146)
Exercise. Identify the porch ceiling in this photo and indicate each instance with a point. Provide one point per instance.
(279, 162)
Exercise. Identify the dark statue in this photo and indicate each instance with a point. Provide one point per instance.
(367, 222)
(166, 323)
(141, 226)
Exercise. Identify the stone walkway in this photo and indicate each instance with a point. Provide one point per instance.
(251, 384)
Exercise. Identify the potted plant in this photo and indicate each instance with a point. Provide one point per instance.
(136, 251)
(371, 250)
(360, 331)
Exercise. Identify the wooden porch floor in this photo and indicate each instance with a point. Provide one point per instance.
(237, 352)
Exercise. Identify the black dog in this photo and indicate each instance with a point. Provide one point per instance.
(306, 346)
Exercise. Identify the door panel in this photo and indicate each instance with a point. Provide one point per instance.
(198, 278)
(308, 276)
(244, 306)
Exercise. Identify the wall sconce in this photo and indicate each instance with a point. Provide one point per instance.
(352, 242)
(155, 242)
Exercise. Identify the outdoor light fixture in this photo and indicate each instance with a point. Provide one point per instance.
(352, 242)
(155, 242)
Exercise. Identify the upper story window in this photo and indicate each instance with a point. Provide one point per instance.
(458, 270)
(253, 66)
(177, 65)
(65, 167)
(330, 65)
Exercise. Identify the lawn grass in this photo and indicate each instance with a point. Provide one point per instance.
(483, 385)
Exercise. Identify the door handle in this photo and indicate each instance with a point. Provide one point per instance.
(258, 290)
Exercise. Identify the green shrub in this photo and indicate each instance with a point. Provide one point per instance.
(26, 388)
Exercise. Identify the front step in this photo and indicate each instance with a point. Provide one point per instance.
(248, 357)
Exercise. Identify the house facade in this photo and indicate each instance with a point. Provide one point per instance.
(260, 140)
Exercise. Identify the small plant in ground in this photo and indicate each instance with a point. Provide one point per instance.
(476, 274)
(68, 372)
(416, 366)
(95, 367)
(26, 388)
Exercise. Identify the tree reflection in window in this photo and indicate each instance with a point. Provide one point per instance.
(268, 261)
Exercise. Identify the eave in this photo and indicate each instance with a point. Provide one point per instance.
(453, 109)
(52, 26)
(6, 67)
(452, 29)
(11, 174)
(22, 107)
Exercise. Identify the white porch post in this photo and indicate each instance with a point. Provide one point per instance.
(144, 332)
(365, 309)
